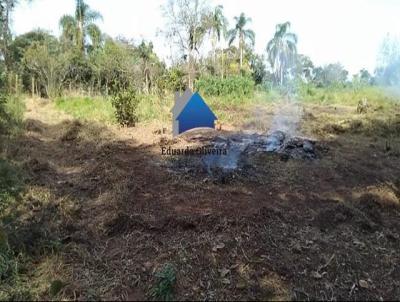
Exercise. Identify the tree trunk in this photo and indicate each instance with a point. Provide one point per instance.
(241, 58)
(147, 79)
(33, 87)
(222, 64)
(16, 83)
(190, 79)
(213, 42)
(241, 50)
(5, 34)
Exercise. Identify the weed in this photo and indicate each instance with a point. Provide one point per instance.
(55, 287)
(10, 183)
(11, 114)
(166, 279)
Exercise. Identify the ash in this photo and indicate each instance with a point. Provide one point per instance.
(242, 148)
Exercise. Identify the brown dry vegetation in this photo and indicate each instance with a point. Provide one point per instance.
(322, 229)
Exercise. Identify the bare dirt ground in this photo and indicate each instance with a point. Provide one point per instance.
(303, 230)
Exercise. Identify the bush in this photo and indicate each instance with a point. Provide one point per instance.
(173, 80)
(11, 116)
(230, 86)
(10, 183)
(125, 103)
(7, 262)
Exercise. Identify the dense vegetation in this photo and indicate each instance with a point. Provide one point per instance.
(86, 60)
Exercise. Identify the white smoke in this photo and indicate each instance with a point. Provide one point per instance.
(287, 117)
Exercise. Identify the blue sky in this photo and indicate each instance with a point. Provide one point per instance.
(345, 31)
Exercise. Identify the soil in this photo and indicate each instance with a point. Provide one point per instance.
(293, 229)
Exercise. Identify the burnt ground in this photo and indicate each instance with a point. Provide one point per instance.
(298, 229)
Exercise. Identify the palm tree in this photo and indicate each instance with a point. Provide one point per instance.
(76, 28)
(217, 24)
(243, 34)
(282, 50)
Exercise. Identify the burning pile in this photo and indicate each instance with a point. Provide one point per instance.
(243, 154)
(241, 145)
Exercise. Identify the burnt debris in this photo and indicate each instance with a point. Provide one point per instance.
(240, 148)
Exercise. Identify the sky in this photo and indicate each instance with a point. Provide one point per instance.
(329, 31)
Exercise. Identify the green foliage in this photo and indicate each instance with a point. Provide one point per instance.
(242, 34)
(376, 96)
(3, 114)
(281, 51)
(11, 114)
(333, 75)
(49, 64)
(55, 287)
(174, 80)
(7, 264)
(21, 43)
(10, 187)
(259, 72)
(238, 86)
(77, 28)
(166, 279)
(10, 183)
(125, 103)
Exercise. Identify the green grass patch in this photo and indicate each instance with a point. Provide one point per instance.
(350, 96)
(229, 109)
(101, 110)
(153, 108)
(86, 108)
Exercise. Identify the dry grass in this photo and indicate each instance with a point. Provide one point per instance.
(106, 215)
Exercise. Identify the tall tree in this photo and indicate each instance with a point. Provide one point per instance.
(304, 68)
(6, 8)
(282, 49)
(217, 24)
(388, 63)
(150, 65)
(186, 26)
(75, 29)
(242, 34)
(331, 74)
(49, 63)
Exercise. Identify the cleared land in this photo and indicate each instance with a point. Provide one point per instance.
(103, 214)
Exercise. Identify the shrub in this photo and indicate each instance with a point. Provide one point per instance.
(10, 183)
(166, 279)
(230, 86)
(11, 114)
(7, 263)
(125, 103)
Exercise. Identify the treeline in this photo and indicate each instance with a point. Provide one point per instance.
(85, 59)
